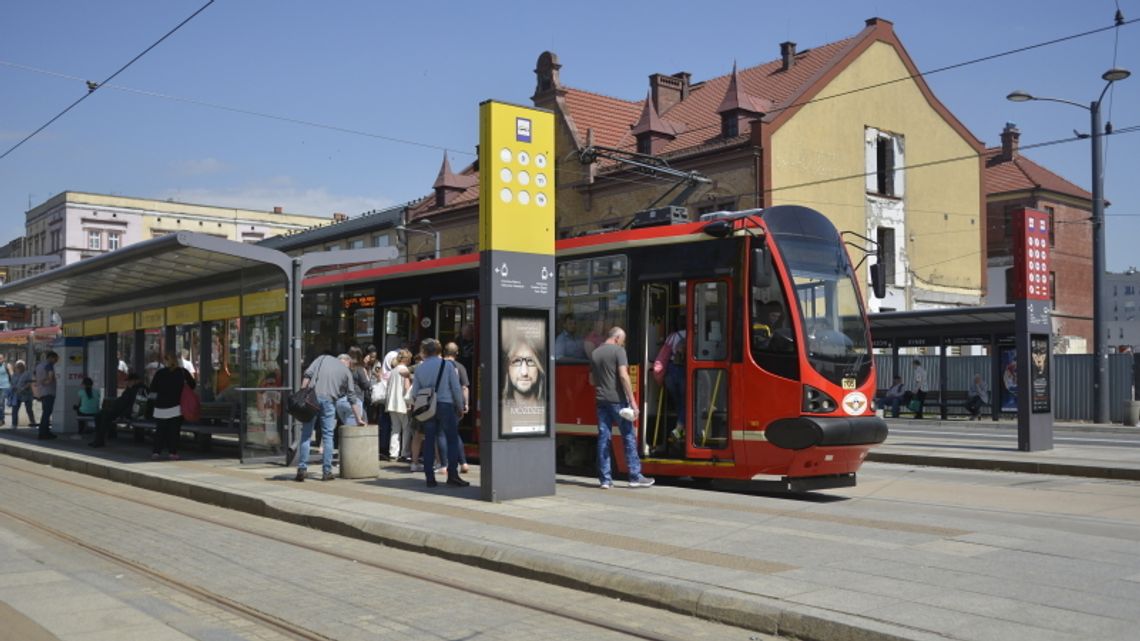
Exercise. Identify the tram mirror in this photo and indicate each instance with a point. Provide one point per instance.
(761, 269)
(878, 280)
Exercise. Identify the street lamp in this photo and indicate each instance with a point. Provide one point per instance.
(405, 229)
(1100, 377)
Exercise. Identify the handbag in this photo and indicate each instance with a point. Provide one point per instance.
(303, 404)
(189, 404)
(423, 405)
(379, 392)
(914, 405)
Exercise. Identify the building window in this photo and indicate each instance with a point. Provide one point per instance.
(94, 239)
(1007, 221)
(1009, 285)
(645, 145)
(729, 125)
(356, 244)
(886, 239)
(884, 160)
(112, 240)
(380, 240)
(1053, 288)
(55, 240)
(1052, 225)
(335, 247)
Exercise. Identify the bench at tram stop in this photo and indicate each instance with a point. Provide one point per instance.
(956, 401)
(214, 418)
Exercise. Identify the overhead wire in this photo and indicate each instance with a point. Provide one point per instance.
(92, 87)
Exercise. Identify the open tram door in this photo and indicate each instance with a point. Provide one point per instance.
(685, 389)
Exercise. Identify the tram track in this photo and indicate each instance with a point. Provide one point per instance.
(277, 624)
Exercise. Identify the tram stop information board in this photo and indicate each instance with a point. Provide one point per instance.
(516, 293)
(1033, 331)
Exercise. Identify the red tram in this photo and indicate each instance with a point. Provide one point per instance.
(772, 380)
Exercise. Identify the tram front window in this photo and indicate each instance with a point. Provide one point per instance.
(833, 320)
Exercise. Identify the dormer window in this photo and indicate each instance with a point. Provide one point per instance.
(645, 145)
(729, 125)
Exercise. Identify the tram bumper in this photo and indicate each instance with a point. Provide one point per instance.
(810, 431)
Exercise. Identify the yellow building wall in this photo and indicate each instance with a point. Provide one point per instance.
(825, 141)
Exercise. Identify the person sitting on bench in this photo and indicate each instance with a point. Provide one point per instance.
(120, 407)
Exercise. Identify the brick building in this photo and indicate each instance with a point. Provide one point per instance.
(1013, 181)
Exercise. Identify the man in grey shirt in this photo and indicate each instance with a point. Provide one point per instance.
(331, 380)
(609, 374)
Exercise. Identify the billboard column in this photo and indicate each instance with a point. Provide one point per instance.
(1033, 330)
(517, 294)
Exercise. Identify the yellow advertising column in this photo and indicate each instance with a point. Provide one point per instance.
(516, 291)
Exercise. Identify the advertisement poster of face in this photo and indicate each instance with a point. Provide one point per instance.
(522, 339)
(1039, 374)
(1009, 380)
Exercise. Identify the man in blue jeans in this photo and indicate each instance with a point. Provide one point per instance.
(331, 380)
(45, 390)
(609, 374)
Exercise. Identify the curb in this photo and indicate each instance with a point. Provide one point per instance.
(721, 605)
(1008, 465)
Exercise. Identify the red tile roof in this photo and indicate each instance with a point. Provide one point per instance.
(469, 177)
(1022, 174)
(612, 118)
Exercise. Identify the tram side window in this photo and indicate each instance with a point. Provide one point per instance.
(592, 295)
(772, 337)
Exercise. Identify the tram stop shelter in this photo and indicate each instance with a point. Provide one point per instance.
(231, 310)
(991, 327)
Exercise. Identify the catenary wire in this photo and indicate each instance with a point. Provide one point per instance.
(92, 87)
(433, 146)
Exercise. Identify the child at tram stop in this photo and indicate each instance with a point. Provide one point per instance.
(89, 399)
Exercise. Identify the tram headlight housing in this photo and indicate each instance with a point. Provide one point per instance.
(818, 402)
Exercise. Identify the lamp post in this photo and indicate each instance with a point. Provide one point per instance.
(1100, 329)
(405, 229)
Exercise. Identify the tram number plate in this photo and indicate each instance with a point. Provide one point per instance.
(848, 383)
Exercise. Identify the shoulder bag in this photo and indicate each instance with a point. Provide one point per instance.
(189, 404)
(303, 404)
(423, 405)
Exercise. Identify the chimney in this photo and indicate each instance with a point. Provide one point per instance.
(339, 217)
(277, 210)
(668, 90)
(788, 54)
(1010, 136)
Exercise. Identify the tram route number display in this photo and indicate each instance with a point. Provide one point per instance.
(524, 409)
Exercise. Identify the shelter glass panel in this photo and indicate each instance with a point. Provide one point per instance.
(225, 366)
(188, 346)
(154, 344)
(125, 355)
(263, 339)
(319, 316)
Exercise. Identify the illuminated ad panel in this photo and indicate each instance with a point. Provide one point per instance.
(1031, 254)
(516, 179)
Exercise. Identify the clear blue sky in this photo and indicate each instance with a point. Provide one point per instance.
(417, 71)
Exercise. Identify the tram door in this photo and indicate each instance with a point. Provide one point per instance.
(455, 323)
(661, 403)
(399, 327)
(706, 417)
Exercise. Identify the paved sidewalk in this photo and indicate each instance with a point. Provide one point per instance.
(860, 569)
(1122, 463)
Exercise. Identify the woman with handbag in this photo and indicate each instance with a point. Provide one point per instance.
(5, 384)
(399, 382)
(166, 388)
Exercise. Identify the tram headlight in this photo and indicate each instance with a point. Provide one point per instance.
(817, 401)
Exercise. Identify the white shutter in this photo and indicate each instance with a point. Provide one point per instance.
(900, 166)
(872, 181)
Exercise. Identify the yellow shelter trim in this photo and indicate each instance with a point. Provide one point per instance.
(121, 323)
(95, 326)
(183, 314)
(268, 302)
(73, 329)
(151, 318)
(221, 308)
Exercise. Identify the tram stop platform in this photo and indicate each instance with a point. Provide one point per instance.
(881, 561)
